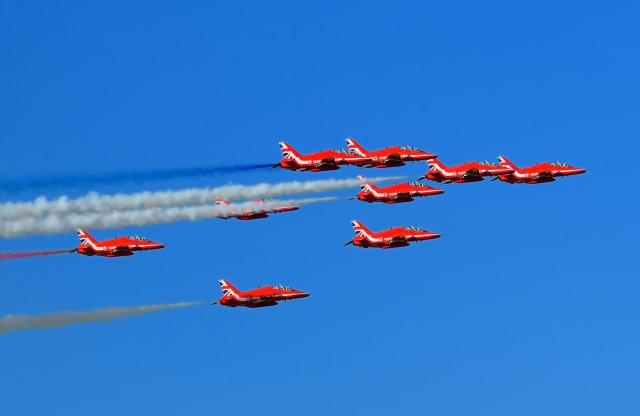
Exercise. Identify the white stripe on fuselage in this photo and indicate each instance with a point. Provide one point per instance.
(444, 172)
(91, 244)
(374, 192)
(301, 162)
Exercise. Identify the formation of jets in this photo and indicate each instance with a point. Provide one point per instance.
(327, 160)
(395, 156)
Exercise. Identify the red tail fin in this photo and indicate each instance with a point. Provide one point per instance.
(86, 239)
(355, 148)
(228, 289)
(360, 229)
(288, 150)
(506, 163)
(435, 164)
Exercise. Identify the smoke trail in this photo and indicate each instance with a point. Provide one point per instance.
(84, 178)
(13, 256)
(58, 319)
(117, 219)
(98, 203)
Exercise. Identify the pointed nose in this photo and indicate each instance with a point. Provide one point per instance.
(155, 246)
(303, 294)
(430, 235)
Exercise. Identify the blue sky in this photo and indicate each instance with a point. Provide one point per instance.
(527, 305)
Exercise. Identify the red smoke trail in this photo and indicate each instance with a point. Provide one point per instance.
(13, 256)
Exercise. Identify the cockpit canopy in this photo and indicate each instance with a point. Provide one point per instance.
(138, 238)
(413, 228)
(282, 287)
(556, 163)
(486, 162)
(407, 147)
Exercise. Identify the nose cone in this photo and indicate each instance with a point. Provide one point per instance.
(430, 236)
(302, 294)
(568, 171)
(154, 246)
(437, 191)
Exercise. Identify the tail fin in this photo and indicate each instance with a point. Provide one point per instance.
(364, 183)
(360, 229)
(287, 150)
(506, 163)
(86, 239)
(435, 164)
(355, 148)
(228, 289)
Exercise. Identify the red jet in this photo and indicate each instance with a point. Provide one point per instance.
(466, 172)
(540, 173)
(389, 157)
(256, 298)
(116, 247)
(255, 214)
(392, 238)
(394, 194)
(317, 162)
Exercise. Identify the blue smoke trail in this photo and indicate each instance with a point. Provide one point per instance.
(8, 185)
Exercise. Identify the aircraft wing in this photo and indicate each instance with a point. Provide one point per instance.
(392, 158)
(398, 240)
(327, 161)
(473, 172)
(121, 249)
(359, 160)
(270, 298)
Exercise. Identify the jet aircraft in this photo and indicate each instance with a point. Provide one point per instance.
(391, 238)
(394, 194)
(316, 162)
(254, 214)
(389, 157)
(116, 247)
(256, 298)
(466, 172)
(539, 173)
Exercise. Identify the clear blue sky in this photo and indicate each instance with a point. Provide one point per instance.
(528, 305)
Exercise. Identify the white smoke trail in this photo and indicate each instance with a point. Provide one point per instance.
(98, 203)
(57, 319)
(116, 219)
